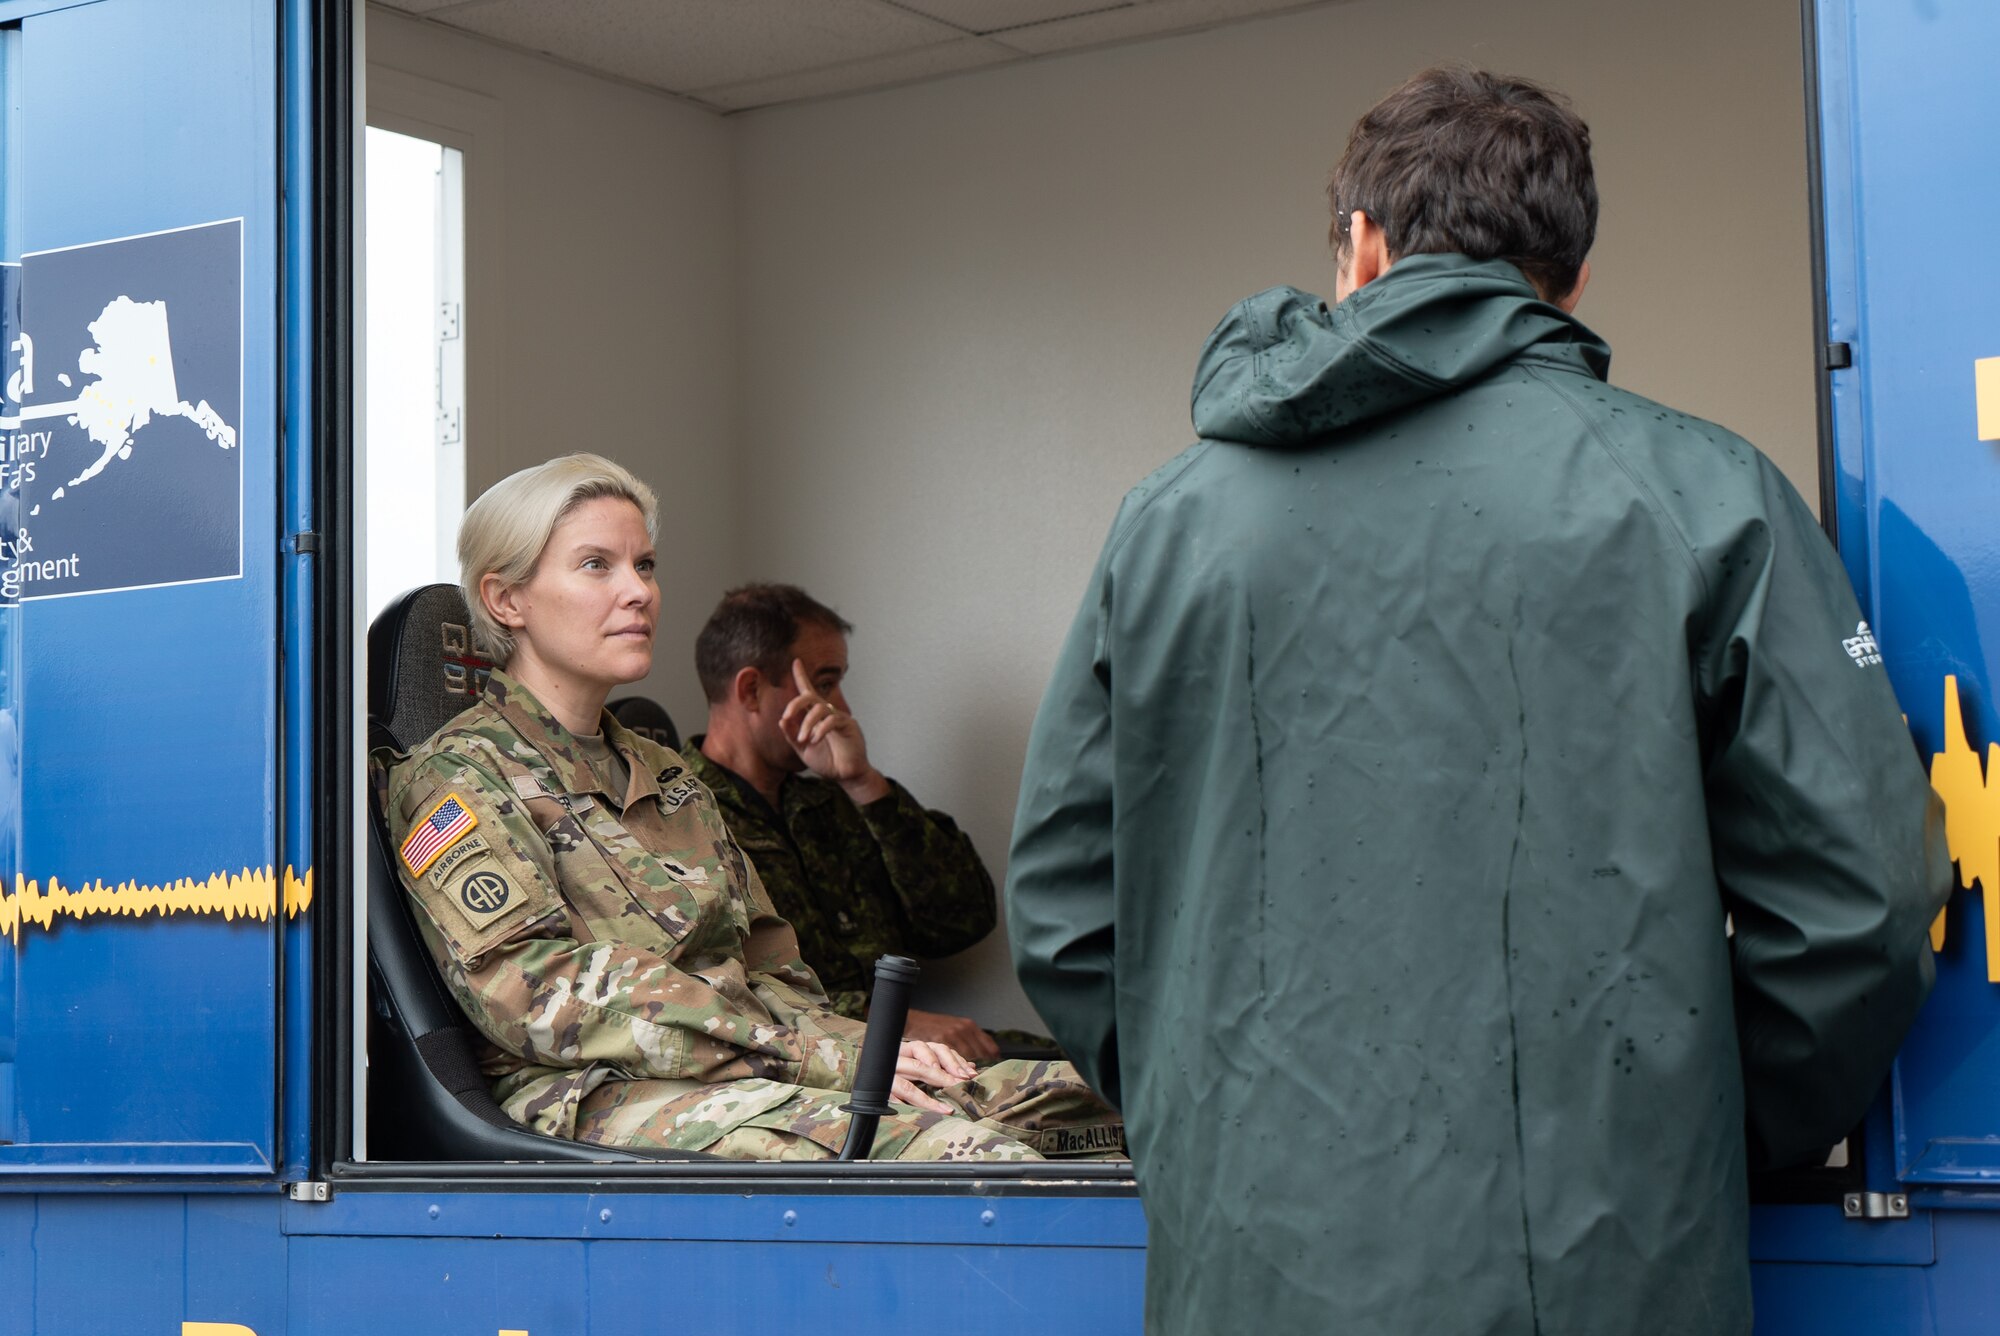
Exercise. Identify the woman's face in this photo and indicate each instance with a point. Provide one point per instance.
(585, 619)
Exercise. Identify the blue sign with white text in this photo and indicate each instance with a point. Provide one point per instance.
(125, 445)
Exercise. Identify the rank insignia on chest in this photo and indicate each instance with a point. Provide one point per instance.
(441, 827)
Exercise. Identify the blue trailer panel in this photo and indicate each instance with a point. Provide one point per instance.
(1906, 122)
(146, 196)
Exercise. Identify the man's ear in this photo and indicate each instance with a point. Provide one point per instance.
(1568, 304)
(502, 600)
(744, 688)
(1367, 251)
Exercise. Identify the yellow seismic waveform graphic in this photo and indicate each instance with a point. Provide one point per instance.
(1971, 794)
(258, 894)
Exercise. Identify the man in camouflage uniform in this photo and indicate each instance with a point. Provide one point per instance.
(855, 864)
(602, 930)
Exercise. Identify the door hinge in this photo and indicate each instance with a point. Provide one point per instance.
(1875, 1206)
(1838, 356)
(307, 541)
(310, 1190)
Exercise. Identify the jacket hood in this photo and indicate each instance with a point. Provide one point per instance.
(1284, 369)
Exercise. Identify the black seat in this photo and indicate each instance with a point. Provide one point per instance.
(426, 1097)
(648, 718)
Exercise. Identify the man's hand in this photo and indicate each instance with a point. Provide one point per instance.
(829, 741)
(960, 1033)
(933, 1065)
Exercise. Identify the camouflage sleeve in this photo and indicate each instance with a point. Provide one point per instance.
(493, 915)
(945, 891)
(779, 975)
(850, 1002)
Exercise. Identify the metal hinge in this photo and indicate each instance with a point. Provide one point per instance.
(1875, 1206)
(310, 1191)
(1839, 356)
(306, 541)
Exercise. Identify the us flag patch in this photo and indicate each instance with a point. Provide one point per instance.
(440, 828)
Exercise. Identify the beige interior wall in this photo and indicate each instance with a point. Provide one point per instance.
(601, 236)
(971, 311)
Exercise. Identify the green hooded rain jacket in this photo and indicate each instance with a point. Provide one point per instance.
(1421, 733)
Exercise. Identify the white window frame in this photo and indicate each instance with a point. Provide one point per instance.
(392, 99)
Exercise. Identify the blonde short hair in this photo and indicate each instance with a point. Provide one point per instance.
(504, 531)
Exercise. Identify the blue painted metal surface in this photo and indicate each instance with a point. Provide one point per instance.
(1910, 124)
(1907, 124)
(150, 742)
(718, 1289)
(397, 1263)
(1957, 1296)
(11, 392)
(1821, 1233)
(773, 1216)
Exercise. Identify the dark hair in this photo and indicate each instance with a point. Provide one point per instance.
(755, 626)
(1460, 160)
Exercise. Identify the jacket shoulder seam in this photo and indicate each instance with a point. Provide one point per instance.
(1121, 533)
(1639, 484)
(1193, 455)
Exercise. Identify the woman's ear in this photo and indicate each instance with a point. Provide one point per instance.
(502, 600)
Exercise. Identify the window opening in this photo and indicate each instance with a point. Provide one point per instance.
(415, 244)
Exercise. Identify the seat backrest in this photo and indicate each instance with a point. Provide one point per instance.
(427, 1097)
(422, 668)
(648, 718)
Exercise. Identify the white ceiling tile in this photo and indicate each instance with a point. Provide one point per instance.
(681, 45)
(1152, 18)
(874, 72)
(990, 16)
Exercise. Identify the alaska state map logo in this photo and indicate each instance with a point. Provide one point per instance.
(121, 414)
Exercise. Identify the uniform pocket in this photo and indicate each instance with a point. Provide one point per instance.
(660, 892)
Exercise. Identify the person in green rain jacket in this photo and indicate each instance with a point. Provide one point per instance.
(1468, 797)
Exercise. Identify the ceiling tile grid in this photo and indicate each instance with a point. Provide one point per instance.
(1154, 18)
(986, 17)
(680, 45)
(733, 55)
(924, 62)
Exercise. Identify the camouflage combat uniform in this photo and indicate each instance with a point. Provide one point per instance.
(855, 882)
(623, 960)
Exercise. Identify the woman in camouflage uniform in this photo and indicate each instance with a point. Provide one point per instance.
(591, 913)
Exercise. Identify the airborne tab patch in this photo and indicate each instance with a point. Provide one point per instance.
(466, 848)
(440, 828)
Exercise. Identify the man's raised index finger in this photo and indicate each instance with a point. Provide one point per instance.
(799, 676)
